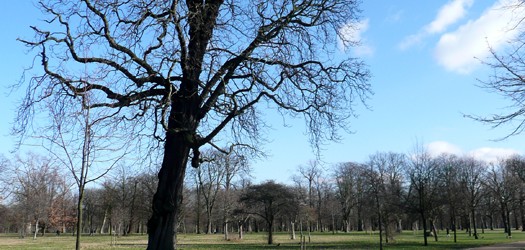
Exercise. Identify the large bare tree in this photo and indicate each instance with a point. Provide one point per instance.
(189, 70)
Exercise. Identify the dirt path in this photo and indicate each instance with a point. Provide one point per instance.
(505, 246)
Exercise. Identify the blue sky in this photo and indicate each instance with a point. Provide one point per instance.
(422, 58)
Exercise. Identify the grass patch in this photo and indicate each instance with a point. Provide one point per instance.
(354, 240)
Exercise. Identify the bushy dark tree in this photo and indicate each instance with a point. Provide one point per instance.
(268, 201)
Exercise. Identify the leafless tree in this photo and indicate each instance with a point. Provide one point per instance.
(385, 180)
(423, 187)
(312, 174)
(4, 178)
(502, 184)
(517, 165)
(84, 141)
(449, 175)
(191, 70)
(349, 182)
(471, 179)
(236, 166)
(507, 74)
(210, 176)
(36, 184)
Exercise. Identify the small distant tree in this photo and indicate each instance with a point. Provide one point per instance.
(517, 165)
(501, 182)
(63, 214)
(384, 182)
(236, 166)
(310, 178)
(349, 179)
(449, 174)
(268, 201)
(36, 184)
(471, 179)
(210, 175)
(423, 188)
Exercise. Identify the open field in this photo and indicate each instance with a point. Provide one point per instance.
(354, 240)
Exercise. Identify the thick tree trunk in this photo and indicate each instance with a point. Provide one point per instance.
(163, 221)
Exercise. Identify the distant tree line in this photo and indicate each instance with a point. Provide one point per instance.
(389, 193)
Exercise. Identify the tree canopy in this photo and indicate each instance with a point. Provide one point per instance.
(185, 72)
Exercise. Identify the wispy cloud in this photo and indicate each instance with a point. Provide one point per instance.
(351, 37)
(460, 50)
(447, 15)
(442, 147)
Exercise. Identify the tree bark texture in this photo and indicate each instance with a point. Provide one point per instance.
(162, 224)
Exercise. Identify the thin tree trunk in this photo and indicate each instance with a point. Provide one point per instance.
(132, 209)
(104, 221)
(36, 230)
(79, 219)
(240, 230)
(424, 220)
(504, 218)
(292, 230)
(474, 223)
(226, 233)
(208, 223)
(509, 231)
(198, 212)
(434, 231)
(454, 228)
(522, 209)
(380, 231)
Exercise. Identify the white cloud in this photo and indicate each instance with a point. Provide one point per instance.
(447, 15)
(441, 147)
(492, 155)
(460, 50)
(351, 37)
(487, 154)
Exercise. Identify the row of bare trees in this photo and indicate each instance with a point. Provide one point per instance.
(39, 197)
(389, 193)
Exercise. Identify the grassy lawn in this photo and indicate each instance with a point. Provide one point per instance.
(354, 240)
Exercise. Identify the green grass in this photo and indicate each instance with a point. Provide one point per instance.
(353, 240)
